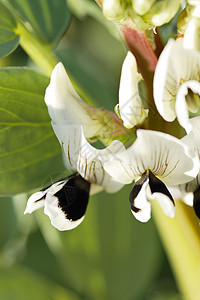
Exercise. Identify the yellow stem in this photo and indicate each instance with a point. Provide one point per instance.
(181, 238)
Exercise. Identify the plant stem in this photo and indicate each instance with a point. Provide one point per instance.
(44, 57)
(40, 53)
(140, 46)
(181, 238)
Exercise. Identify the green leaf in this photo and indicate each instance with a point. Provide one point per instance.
(23, 284)
(49, 19)
(29, 151)
(9, 39)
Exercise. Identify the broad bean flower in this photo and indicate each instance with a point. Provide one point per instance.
(190, 191)
(177, 83)
(157, 162)
(154, 160)
(65, 202)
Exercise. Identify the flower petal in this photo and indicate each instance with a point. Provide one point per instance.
(130, 105)
(160, 193)
(186, 100)
(66, 202)
(83, 158)
(167, 157)
(36, 201)
(175, 66)
(191, 35)
(192, 140)
(69, 137)
(180, 194)
(165, 203)
(140, 207)
(66, 107)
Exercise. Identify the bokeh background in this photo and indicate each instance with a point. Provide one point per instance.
(110, 256)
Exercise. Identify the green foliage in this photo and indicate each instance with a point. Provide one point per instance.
(9, 39)
(29, 151)
(22, 284)
(48, 18)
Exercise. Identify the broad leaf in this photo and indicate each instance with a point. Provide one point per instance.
(48, 18)
(29, 151)
(9, 39)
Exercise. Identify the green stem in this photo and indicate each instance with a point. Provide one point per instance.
(44, 57)
(181, 238)
(40, 53)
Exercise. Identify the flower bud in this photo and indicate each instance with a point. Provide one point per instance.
(114, 10)
(162, 12)
(141, 7)
(137, 21)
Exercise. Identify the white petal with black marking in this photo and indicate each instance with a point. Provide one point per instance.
(167, 157)
(66, 203)
(159, 192)
(36, 201)
(140, 207)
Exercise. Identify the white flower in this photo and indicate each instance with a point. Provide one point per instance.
(130, 108)
(176, 83)
(66, 107)
(65, 202)
(190, 191)
(73, 121)
(153, 160)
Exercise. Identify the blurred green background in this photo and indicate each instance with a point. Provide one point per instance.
(110, 256)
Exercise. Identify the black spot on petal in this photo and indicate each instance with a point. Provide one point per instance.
(135, 191)
(157, 186)
(73, 197)
(196, 202)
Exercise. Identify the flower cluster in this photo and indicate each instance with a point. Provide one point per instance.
(162, 167)
(143, 14)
